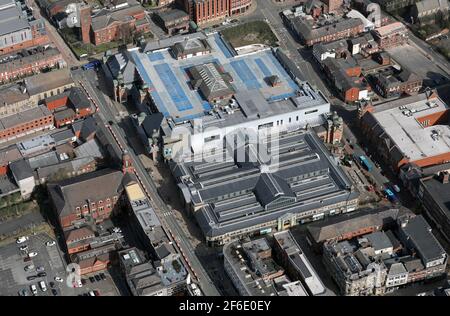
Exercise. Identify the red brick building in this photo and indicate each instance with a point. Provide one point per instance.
(30, 64)
(310, 35)
(69, 106)
(26, 122)
(89, 197)
(391, 35)
(107, 26)
(208, 11)
(77, 240)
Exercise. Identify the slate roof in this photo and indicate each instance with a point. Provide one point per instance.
(21, 169)
(75, 192)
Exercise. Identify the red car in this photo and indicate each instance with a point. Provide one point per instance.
(97, 293)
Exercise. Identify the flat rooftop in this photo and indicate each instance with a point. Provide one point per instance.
(169, 81)
(400, 121)
(238, 195)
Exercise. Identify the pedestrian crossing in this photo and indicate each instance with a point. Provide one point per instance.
(165, 214)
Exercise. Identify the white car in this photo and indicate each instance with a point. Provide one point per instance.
(21, 240)
(58, 279)
(43, 286)
(29, 267)
(91, 293)
(33, 289)
(32, 254)
(50, 243)
(23, 248)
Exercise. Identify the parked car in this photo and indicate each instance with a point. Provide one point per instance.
(33, 289)
(42, 274)
(23, 292)
(97, 293)
(29, 267)
(21, 240)
(91, 293)
(32, 277)
(54, 292)
(58, 279)
(23, 248)
(92, 279)
(50, 243)
(26, 259)
(32, 254)
(52, 284)
(43, 286)
(103, 276)
(97, 277)
(40, 269)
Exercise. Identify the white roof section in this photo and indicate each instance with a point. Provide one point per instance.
(368, 25)
(402, 125)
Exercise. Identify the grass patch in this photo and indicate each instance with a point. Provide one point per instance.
(12, 206)
(256, 32)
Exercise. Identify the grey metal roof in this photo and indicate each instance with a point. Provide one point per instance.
(12, 20)
(234, 199)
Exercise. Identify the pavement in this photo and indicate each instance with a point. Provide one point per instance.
(106, 113)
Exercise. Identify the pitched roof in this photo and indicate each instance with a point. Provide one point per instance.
(75, 192)
(78, 234)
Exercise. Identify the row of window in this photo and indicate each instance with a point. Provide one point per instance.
(93, 204)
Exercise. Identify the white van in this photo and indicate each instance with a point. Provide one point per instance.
(43, 286)
(33, 289)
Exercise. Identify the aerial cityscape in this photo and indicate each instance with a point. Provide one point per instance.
(224, 148)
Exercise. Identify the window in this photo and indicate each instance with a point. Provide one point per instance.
(211, 138)
(312, 111)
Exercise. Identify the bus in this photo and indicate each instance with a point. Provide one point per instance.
(365, 163)
(391, 196)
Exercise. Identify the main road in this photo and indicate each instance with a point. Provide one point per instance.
(169, 221)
